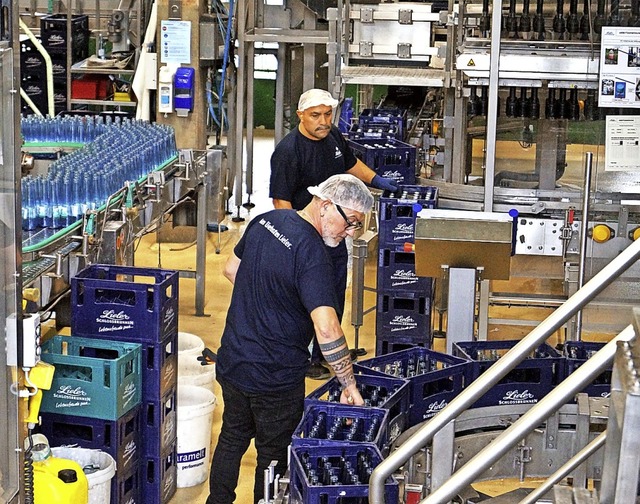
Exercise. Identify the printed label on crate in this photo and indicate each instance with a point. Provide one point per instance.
(402, 232)
(395, 429)
(391, 174)
(129, 453)
(31, 62)
(517, 397)
(72, 397)
(119, 321)
(56, 40)
(433, 408)
(403, 323)
(128, 394)
(169, 372)
(192, 459)
(169, 486)
(169, 432)
(169, 317)
(402, 277)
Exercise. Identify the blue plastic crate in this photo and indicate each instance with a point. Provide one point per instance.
(160, 477)
(328, 424)
(397, 271)
(404, 314)
(377, 391)
(126, 487)
(94, 378)
(375, 131)
(398, 211)
(119, 438)
(159, 422)
(576, 353)
(390, 116)
(326, 474)
(160, 367)
(434, 378)
(388, 157)
(395, 344)
(125, 303)
(529, 382)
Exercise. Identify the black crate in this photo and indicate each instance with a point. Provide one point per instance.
(397, 271)
(53, 30)
(385, 346)
(398, 211)
(377, 391)
(160, 424)
(404, 314)
(31, 60)
(389, 158)
(324, 474)
(125, 303)
(119, 438)
(434, 378)
(577, 353)
(529, 382)
(336, 424)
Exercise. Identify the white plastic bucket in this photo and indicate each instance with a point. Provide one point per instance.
(189, 345)
(192, 372)
(100, 480)
(195, 419)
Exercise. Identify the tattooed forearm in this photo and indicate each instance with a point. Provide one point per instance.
(332, 345)
(336, 356)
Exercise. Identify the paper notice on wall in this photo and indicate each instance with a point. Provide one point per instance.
(622, 150)
(619, 67)
(175, 42)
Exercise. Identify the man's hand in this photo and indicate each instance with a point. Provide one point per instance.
(384, 183)
(351, 396)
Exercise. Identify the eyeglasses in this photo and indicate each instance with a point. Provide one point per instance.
(350, 224)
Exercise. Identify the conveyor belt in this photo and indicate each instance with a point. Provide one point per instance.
(428, 77)
(31, 270)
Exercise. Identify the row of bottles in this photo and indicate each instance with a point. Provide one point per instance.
(331, 471)
(66, 129)
(372, 395)
(525, 102)
(344, 428)
(566, 24)
(85, 178)
(410, 367)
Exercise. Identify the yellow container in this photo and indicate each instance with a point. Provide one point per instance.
(57, 480)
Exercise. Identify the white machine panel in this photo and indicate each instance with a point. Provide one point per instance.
(539, 237)
(396, 32)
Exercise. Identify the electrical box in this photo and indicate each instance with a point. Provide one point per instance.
(183, 88)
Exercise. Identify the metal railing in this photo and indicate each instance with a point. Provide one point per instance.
(553, 401)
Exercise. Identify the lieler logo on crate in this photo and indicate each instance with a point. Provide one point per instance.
(405, 230)
(69, 393)
(400, 323)
(169, 371)
(169, 485)
(129, 393)
(129, 452)
(393, 174)
(434, 408)
(403, 277)
(517, 397)
(169, 432)
(57, 40)
(169, 317)
(120, 320)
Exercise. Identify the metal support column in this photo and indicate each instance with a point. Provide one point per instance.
(461, 303)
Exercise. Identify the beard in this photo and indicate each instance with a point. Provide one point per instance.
(330, 240)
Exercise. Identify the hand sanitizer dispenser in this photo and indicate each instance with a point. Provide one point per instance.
(183, 88)
(165, 90)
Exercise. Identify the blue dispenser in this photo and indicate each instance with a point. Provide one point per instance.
(183, 90)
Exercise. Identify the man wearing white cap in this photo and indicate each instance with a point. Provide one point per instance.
(282, 292)
(307, 156)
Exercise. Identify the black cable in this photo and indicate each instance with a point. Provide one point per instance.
(29, 494)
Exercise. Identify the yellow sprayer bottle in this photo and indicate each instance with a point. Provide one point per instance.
(56, 480)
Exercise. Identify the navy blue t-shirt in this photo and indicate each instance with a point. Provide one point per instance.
(284, 274)
(298, 162)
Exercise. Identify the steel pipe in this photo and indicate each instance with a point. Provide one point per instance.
(498, 370)
(571, 464)
(547, 406)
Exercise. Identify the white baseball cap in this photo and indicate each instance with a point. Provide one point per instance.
(315, 97)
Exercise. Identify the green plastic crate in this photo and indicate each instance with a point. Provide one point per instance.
(93, 378)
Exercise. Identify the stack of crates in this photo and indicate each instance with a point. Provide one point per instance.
(403, 315)
(576, 354)
(335, 447)
(434, 378)
(94, 402)
(529, 382)
(388, 157)
(380, 123)
(139, 305)
(53, 32)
